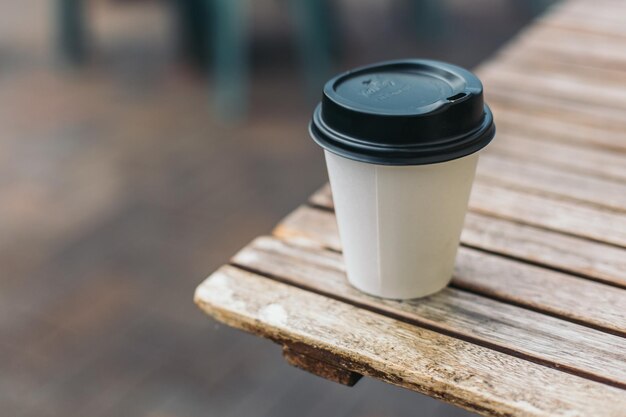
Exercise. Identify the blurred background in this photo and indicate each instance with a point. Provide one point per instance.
(142, 143)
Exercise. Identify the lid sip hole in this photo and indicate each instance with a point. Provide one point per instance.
(456, 97)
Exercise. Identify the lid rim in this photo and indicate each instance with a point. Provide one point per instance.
(417, 154)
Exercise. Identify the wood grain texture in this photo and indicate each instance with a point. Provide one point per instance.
(593, 49)
(596, 92)
(555, 293)
(513, 97)
(551, 129)
(315, 362)
(514, 59)
(579, 21)
(589, 259)
(465, 374)
(528, 334)
(569, 158)
(533, 322)
(595, 260)
(551, 213)
(535, 177)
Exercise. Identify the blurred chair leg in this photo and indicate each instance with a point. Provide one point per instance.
(71, 28)
(230, 58)
(430, 18)
(315, 30)
(193, 20)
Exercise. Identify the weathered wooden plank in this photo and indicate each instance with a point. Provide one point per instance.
(592, 49)
(597, 162)
(574, 20)
(577, 21)
(528, 334)
(323, 197)
(541, 178)
(513, 59)
(547, 212)
(556, 293)
(549, 129)
(310, 360)
(570, 254)
(548, 30)
(551, 292)
(566, 86)
(567, 253)
(594, 223)
(537, 61)
(598, 58)
(465, 374)
(554, 107)
(603, 10)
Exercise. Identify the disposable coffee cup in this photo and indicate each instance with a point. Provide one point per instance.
(401, 141)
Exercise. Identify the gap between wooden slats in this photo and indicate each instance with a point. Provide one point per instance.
(573, 298)
(580, 22)
(459, 372)
(573, 81)
(603, 95)
(566, 217)
(543, 179)
(592, 162)
(595, 22)
(527, 124)
(516, 99)
(550, 65)
(588, 259)
(596, 50)
(591, 223)
(523, 333)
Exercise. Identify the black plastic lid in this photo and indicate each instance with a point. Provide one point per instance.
(406, 112)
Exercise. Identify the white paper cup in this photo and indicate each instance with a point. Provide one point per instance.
(400, 225)
(401, 140)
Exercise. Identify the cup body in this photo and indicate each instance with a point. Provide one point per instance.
(400, 225)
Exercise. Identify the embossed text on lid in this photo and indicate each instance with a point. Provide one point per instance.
(403, 113)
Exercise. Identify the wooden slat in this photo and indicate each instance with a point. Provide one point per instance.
(323, 197)
(594, 162)
(603, 10)
(528, 334)
(544, 179)
(554, 107)
(550, 129)
(574, 20)
(601, 93)
(594, 223)
(586, 23)
(573, 55)
(559, 294)
(542, 211)
(566, 81)
(537, 62)
(591, 259)
(533, 323)
(465, 374)
(590, 49)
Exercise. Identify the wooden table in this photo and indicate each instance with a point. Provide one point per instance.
(534, 322)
